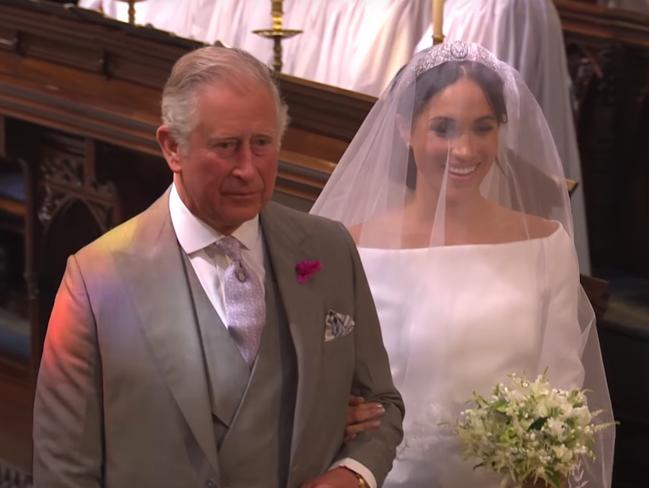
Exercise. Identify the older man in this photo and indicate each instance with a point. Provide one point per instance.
(213, 340)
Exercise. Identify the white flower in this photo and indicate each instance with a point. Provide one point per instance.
(542, 409)
(562, 453)
(567, 409)
(583, 416)
(555, 427)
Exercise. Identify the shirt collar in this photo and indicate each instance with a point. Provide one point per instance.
(193, 234)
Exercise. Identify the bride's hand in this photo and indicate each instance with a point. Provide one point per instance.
(362, 416)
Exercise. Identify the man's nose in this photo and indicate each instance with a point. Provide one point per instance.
(245, 167)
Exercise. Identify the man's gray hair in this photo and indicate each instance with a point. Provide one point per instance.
(209, 65)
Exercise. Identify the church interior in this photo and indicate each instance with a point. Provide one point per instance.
(80, 84)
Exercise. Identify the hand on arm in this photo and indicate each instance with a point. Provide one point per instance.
(362, 416)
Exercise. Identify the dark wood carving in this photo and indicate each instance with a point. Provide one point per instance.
(68, 173)
(608, 55)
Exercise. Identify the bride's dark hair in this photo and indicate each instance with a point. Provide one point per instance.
(433, 81)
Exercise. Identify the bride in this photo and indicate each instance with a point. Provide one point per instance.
(455, 196)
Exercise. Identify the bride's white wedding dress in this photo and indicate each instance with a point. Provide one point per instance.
(459, 319)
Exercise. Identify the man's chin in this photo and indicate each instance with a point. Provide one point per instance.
(233, 216)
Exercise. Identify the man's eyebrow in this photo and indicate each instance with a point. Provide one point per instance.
(215, 139)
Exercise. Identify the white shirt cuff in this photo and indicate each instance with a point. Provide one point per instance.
(356, 467)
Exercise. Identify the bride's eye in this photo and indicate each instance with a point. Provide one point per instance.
(444, 128)
(484, 127)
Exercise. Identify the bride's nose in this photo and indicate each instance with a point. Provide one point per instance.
(462, 147)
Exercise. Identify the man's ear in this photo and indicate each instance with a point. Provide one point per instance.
(170, 148)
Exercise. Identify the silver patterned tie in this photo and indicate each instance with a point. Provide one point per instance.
(245, 308)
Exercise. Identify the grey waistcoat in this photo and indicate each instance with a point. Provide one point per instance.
(252, 410)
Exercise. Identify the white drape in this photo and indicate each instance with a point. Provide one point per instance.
(354, 44)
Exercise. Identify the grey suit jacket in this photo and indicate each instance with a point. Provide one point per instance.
(122, 396)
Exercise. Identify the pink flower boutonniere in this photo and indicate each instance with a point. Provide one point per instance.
(305, 269)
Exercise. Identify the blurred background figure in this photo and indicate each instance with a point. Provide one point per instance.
(641, 6)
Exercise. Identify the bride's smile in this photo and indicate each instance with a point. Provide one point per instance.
(462, 171)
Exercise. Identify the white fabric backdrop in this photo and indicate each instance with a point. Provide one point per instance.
(353, 44)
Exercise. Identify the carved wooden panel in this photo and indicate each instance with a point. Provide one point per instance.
(612, 92)
(68, 173)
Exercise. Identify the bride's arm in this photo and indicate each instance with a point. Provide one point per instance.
(566, 315)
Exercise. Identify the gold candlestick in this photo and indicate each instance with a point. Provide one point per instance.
(277, 33)
(131, 10)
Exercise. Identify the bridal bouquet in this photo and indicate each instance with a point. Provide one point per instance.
(529, 432)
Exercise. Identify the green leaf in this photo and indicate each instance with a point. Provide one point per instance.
(555, 479)
(538, 423)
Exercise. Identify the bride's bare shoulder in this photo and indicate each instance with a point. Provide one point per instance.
(525, 226)
(372, 230)
(540, 227)
(355, 231)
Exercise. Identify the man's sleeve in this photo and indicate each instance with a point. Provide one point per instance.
(67, 407)
(376, 449)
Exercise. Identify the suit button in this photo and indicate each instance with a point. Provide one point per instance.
(210, 484)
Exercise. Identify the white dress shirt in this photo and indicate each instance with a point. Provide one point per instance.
(196, 239)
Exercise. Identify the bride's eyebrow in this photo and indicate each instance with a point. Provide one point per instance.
(487, 118)
(441, 118)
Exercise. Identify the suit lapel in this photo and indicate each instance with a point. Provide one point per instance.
(153, 270)
(288, 245)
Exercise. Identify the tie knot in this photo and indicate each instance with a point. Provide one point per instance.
(229, 246)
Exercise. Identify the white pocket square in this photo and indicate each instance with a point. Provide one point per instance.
(337, 325)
